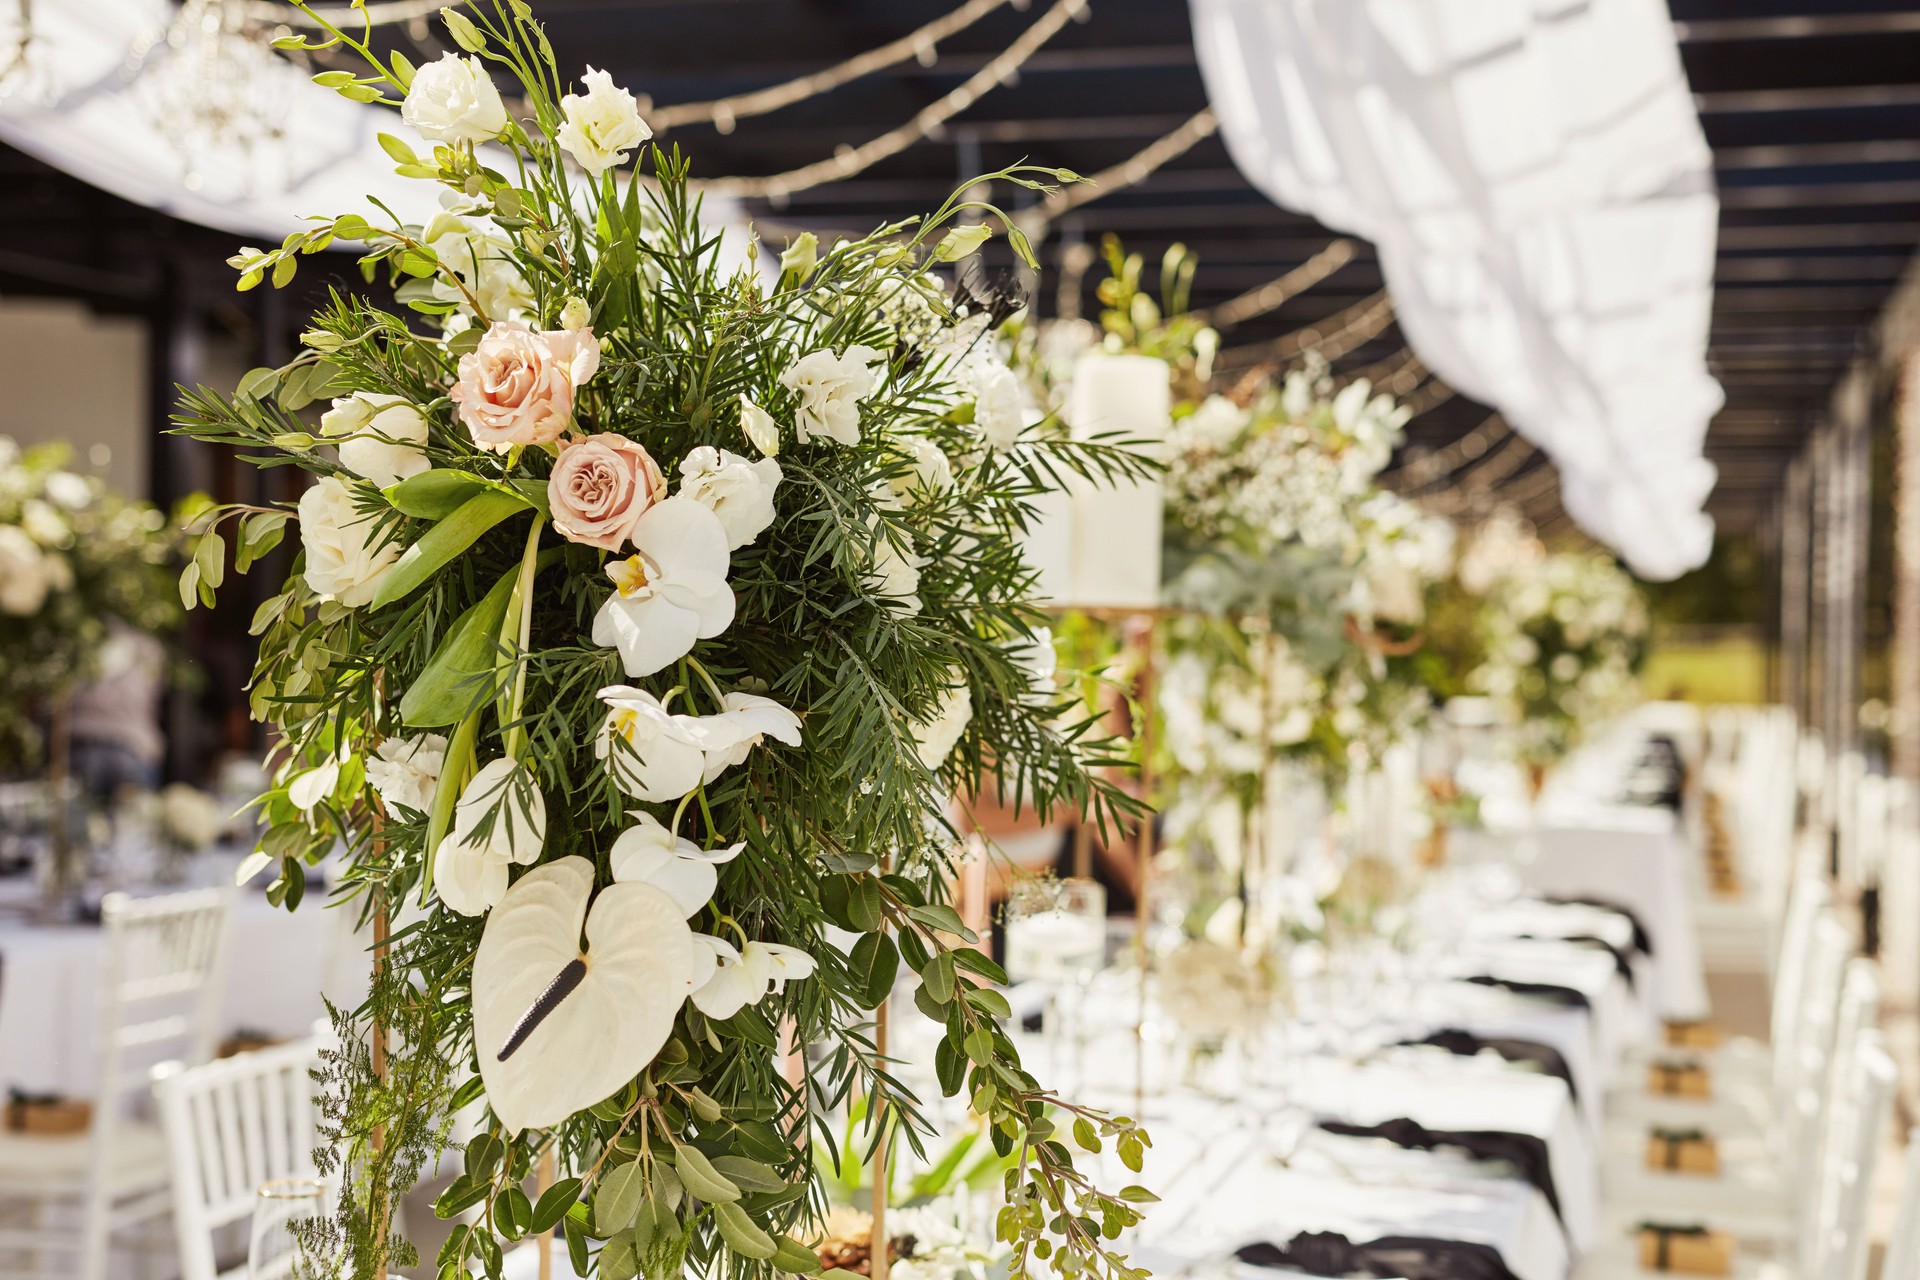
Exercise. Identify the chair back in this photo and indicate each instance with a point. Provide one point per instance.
(1805, 1026)
(1903, 1242)
(230, 1126)
(1814, 1121)
(1834, 1241)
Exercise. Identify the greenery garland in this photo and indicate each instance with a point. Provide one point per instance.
(651, 602)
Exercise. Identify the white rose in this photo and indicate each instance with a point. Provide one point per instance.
(602, 125)
(935, 739)
(997, 407)
(738, 491)
(454, 100)
(893, 573)
(831, 388)
(380, 436)
(24, 576)
(347, 552)
(406, 771)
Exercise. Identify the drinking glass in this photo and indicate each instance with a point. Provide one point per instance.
(1057, 937)
(285, 1211)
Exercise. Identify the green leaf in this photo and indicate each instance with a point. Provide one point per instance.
(742, 1234)
(937, 977)
(981, 963)
(190, 586)
(461, 673)
(1083, 1133)
(513, 1213)
(436, 494)
(792, 1256)
(1138, 1195)
(211, 556)
(979, 1045)
(576, 1232)
(554, 1203)
(402, 70)
(483, 1156)
(863, 904)
(616, 1202)
(257, 384)
(749, 1175)
(463, 1193)
(950, 1065)
(703, 1105)
(873, 962)
(394, 147)
(440, 544)
(989, 1002)
(940, 916)
(619, 1257)
(703, 1180)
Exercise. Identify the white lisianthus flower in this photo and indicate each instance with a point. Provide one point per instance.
(468, 243)
(405, 772)
(745, 721)
(648, 853)
(381, 437)
(728, 979)
(831, 388)
(961, 242)
(601, 125)
(500, 821)
(672, 592)
(758, 426)
(348, 554)
(931, 476)
(651, 753)
(894, 574)
(739, 491)
(454, 100)
(24, 576)
(935, 739)
(998, 410)
(575, 313)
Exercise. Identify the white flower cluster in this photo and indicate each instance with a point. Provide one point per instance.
(35, 531)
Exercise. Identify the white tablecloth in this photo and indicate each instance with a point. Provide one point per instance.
(279, 963)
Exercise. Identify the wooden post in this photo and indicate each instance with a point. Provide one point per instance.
(879, 1253)
(382, 1208)
(542, 1179)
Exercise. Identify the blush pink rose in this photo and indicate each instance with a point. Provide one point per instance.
(600, 487)
(517, 386)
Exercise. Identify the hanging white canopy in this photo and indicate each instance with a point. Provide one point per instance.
(106, 99)
(1536, 181)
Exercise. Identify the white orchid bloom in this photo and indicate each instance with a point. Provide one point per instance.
(744, 976)
(747, 719)
(670, 594)
(648, 853)
(500, 821)
(309, 787)
(651, 753)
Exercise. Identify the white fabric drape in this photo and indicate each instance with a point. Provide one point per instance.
(103, 98)
(1537, 184)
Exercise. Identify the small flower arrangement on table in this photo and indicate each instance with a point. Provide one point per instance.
(647, 613)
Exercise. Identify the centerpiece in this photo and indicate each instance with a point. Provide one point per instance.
(647, 614)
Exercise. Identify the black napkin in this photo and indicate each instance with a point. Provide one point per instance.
(1541, 990)
(1641, 941)
(1622, 960)
(1524, 1151)
(1465, 1044)
(1328, 1253)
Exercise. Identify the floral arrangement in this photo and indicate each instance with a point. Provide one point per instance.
(76, 560)
(1562, 635)
(646, 615)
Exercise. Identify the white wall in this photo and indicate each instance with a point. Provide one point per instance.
(75, 376)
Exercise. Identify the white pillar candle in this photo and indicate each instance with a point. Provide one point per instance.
(1116, 529)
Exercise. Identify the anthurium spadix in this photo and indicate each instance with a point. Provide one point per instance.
(558, 1025)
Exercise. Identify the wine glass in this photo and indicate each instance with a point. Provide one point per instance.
(285, 1213)
(1057, 937)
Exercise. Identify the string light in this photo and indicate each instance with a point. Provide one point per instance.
(1418, 473)
(921, 44)
(1396, 375)
(1278, 291)
(379, 13)
(1434, 393)
(851, 160)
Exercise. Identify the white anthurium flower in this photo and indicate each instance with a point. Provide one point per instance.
(746, 975)
(935, 739)
(500, 820)
(744, 721)
(648, 853)
(737, 489)
(381, 437)
(652, 754)
(559, 1026)
(831, 388)
(672, 592)
(758, 426)
(454, 100)
(405, 772)
(601, 125)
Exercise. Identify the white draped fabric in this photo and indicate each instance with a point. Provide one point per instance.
(103, 96)
(1540, 192)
